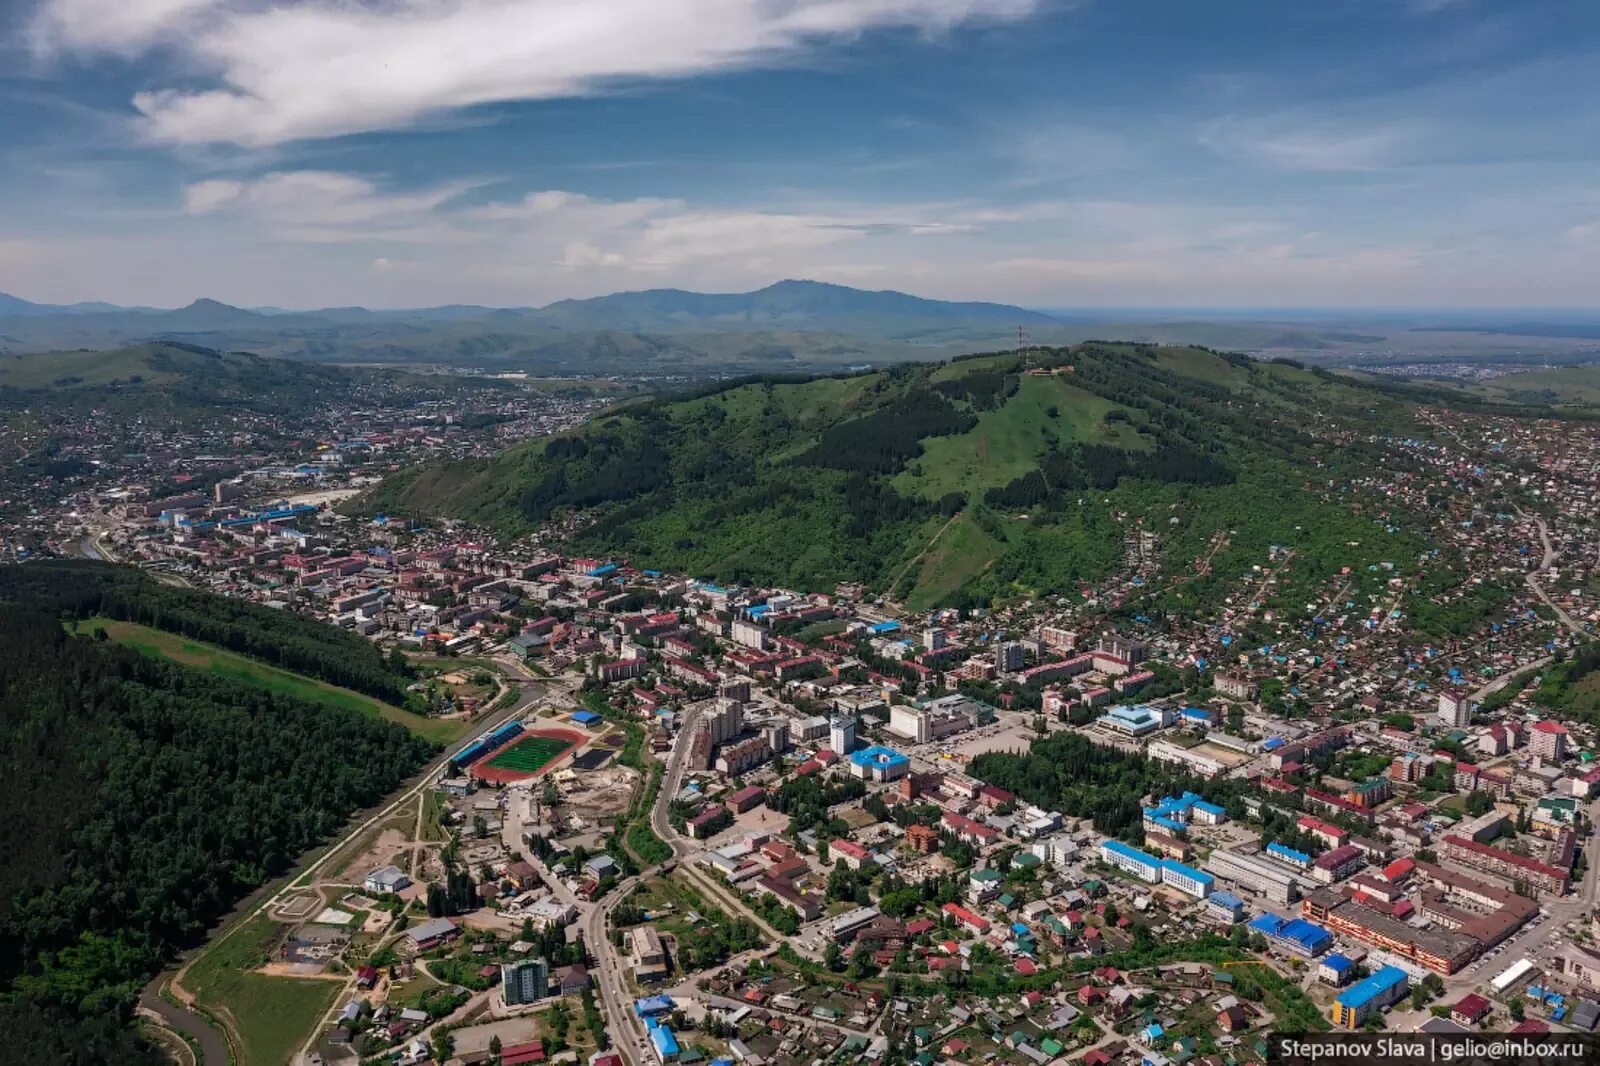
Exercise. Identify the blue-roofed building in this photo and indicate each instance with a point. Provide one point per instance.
(884, 627)
(1353, 1006)
(1186, 879)
(1132, 721)
(1267, 925)
(662, 1042)
(653, 1006)
(1283, 853)
(1335, 969)
(1305, 938)
(1272, 744)
(879, 763)
(585, 718)
(1174, 813)
(605, 570)
(1296, 935)
(1224, 906)
(1141, 865)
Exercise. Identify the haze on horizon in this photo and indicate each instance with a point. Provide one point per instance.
(1049, 153)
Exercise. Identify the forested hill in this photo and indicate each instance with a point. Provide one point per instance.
(172, 380)
(77, 590)
(141, 800)
(988, 476)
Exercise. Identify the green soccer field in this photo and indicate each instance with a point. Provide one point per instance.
(529, 754)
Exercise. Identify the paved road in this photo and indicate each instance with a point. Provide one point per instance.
(1544, 564)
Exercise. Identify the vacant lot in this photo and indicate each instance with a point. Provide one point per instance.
(155, 643)
(272, 1016)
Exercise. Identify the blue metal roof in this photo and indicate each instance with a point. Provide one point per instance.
(653, 1005)
(1289, 853)
(666, 1044)
(1338, 963)
(1189, 871)
(1117, 847)
(1267, 924)
(1367, 989)
(1305, 933)
(878, 755)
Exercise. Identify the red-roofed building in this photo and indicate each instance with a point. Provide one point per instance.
(1470, 1010)
(518, 1054)
(1548, 739)
(972, 921)
(968, 830)
(1509, 865)
(848, 851)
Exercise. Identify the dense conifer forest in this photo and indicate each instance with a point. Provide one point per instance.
(143, 799)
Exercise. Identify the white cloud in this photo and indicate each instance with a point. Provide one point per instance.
(123, 27)
(1300, 142)
(204, 197)
(293, 69)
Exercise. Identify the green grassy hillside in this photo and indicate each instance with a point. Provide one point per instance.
(183, 380)
(987, 477)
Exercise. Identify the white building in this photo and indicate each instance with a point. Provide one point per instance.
(1455, 710)
(1177, 755)
(842, 734)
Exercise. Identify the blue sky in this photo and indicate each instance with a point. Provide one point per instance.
(1097, 153)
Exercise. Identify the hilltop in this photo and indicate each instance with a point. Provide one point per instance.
(182, 380)
(986, 477)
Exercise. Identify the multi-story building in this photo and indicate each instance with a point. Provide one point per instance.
(1455, 710)
(527, 981)
(842, 734)
(649, 957)
(743, 755)
(878, 763)
(1144, 866)
(1509, 865)
(1439, 950)
(1008, 657)
(937, 719)
(1256, 874)
(1234, 687)
(923, 839)
(1189, 758)
(1337, 864)
(1186, 879)
(1548, 740)
(1357, 1003)
(750, 634)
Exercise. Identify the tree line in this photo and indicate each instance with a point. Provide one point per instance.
(142, 800)
(80, 589)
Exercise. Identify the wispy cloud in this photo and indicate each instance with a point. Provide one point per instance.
(293, 69)
(1308, 142)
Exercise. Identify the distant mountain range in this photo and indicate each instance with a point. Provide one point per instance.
(791, 325)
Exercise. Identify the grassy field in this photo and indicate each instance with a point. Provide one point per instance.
(272, 1016)
(432, 813)
(529, 754)
(155, 643)
(1007, 442)
(961, 553)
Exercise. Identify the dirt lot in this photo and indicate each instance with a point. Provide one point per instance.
(383, 851)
